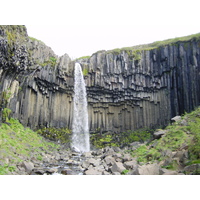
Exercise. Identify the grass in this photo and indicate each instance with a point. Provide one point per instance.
(15, 140)
(34, 39)
(178, 136)
(135, 51)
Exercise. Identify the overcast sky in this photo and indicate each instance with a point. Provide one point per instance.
(82, 27)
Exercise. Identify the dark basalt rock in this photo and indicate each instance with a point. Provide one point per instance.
(126, 90)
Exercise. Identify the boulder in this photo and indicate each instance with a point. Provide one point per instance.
(94, 162)
(176, 119)
(130, 164)
(105, 173)
(39, 171)
(87, 154)
(85, 164)
(109, 160)
(116, 173)
(52, 170)
(68, 172)
(159, 134)
(127, 157)
(192, 169)
(92, 172)
(28, 166)
(149, 169)
(117, 167)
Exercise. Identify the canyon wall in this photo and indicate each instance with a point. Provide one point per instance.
(127, 88)
(131, 89)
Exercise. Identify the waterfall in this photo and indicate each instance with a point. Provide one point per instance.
(80, 129)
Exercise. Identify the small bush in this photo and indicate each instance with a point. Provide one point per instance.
(6, 114)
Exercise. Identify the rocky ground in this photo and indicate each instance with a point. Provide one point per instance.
(172, 151)
(106, 161)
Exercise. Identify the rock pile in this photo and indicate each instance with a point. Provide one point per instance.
(106, 161)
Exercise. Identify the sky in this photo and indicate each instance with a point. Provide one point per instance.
(82, 27)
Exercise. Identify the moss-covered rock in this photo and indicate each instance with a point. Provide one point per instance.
(62, 135)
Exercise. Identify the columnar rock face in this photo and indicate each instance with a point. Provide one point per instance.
(130, 89)
(127, 89)
(37, 83)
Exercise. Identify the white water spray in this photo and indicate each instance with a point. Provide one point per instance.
(80, 129)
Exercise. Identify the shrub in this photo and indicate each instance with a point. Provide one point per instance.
(6, 114)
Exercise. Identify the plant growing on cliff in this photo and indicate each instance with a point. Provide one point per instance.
(52, 62)
(6, 114)
(56, 134)
(85, 72)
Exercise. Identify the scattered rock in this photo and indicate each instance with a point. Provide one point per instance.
(85, 164)
(131, 164)
(150, 169)
(117, 167)
(192, 169)
(28, 166)
(92, 172)
(105, 173)
(109, 160)
(94, 162)
(68, 172)
(52, 170)
(176, 119)
(159, 134)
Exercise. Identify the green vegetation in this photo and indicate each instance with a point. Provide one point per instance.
(5, 96)
(140, 135)
(177, 137)
(83, 57)
(6, 114)
(17, 141)
(121, 140)
(125, 172)
(135, 51)
(85, 72)
(56, 134)
(34, 39)
(102, 140)
(51, 62)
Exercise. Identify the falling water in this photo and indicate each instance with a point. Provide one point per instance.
(80, 129)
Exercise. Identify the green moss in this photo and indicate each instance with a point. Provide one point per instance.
(103, 140)
(56, 134)
(124, 172)
(85, 72)
(6, 114)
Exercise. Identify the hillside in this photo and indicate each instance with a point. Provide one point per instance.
(173, 150)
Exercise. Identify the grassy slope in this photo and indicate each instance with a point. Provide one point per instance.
(154, 45)
(17, 141)
(181, 135)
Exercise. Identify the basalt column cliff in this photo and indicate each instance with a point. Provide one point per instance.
(127, 88)
(134, 88)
